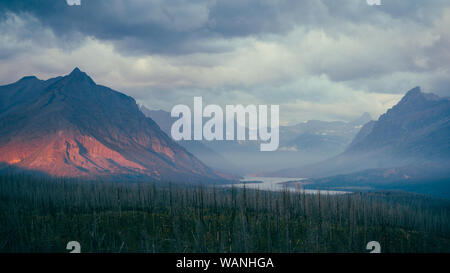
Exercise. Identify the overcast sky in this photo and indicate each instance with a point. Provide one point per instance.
(317, 59)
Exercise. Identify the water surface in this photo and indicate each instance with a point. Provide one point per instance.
(278, 184)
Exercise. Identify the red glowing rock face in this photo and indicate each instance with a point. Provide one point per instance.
(71, 127)
(72, 156)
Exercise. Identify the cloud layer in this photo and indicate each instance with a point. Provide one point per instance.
(317, 59)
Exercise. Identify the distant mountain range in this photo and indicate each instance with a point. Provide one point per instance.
(321, 137)
(200, 150)
(71, 127)
(409, 143)
(306, 142)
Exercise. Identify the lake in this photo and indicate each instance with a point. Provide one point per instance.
(276, 184)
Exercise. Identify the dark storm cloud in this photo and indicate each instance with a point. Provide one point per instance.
(322, 59)
(140, 25)
(178, 27)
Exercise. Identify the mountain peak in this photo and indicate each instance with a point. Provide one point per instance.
(418, 115)
(80, 75)
(416, 96)
(29, 78)
(416, 91)
(363, 119)
(76, 70)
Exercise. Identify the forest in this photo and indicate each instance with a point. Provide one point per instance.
(41, 214)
